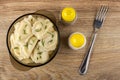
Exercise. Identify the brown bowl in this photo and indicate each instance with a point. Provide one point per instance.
(11, 30)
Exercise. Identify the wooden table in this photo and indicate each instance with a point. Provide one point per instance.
(105, 61)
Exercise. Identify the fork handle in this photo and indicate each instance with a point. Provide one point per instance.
(84, 66)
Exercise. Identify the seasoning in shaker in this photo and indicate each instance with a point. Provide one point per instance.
(68, 15)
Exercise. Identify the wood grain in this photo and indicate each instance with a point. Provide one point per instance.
(104, 64)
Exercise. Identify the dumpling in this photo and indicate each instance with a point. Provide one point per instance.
(49, 42)
(24, 32)
(40, 28)
(51, 39)
(28, 47)
(17, 26)
(48, 23)
(15, 48)
(32, 43)
(39, 57)
(31, 19)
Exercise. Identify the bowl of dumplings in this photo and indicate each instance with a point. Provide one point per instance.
(33, 39)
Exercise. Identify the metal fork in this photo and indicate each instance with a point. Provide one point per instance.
(98, 21)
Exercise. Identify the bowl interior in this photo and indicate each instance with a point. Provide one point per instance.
(11, 30)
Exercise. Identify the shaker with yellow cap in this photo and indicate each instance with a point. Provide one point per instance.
(76, 40)
(68, 15)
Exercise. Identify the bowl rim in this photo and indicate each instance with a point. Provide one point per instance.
(56, 50)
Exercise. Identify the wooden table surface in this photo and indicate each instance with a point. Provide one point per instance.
(105, 61)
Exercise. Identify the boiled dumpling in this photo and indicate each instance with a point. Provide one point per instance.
(15, 48)
(49, 42)
(31, 19)
(17, 26)
(39, 57)
(39, 28)
(29, 46)
(24, 32)
(48, 23)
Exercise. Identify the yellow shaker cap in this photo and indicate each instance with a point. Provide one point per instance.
(77, 40)
(68, 14)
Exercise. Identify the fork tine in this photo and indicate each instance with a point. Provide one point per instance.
(102, 13)
(98, 13)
